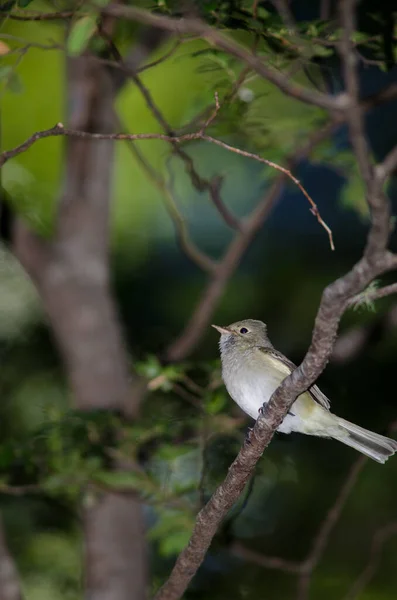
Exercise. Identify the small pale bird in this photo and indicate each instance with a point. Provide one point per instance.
(252, 369)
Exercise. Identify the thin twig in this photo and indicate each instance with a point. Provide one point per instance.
(354, 111)
(268, 562)
(372, 295)
(201, 184)
(59, 129)
(381, 536)
(202, 260)
(285, 171)
(328, 524)
(161, 59)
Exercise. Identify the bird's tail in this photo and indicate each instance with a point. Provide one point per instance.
(378, 447)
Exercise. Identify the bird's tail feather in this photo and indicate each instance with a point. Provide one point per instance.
(378, 447)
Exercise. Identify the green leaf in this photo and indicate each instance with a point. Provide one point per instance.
(319, 50)
(150, 369)
(171, 452)
(15, 84)
(364, 300)
(24, 3)
(120, 479)
(126, 480)
(5, 71)
(359, 37)
(215, 403)
(80, 34)
(174, 542)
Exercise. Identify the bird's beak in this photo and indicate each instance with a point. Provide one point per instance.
(221, 329)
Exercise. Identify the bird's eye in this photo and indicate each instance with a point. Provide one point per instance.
(243, 330)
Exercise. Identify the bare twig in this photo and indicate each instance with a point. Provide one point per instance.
(380, 538)
(328, 524)
(268, 562)
(353, 110)
(154, 63)
(372, 295)
(201, 184)
(285, 171)
(304, 568)
(202, 260)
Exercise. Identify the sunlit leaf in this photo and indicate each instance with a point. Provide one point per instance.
(80, 34)
(5, 71)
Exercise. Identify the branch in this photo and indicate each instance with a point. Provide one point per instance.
(322, 537)
(285, 171)
(367, 297)
(331, 308)
(304, 568)
(354, 111)
(59, 129)
(197, 27)
(184, 344)
(201, 184)
(382, 535)
(375, 261)
(267, 562)
(198, 257)
(162, 58)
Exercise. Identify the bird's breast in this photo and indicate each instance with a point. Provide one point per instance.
(251, 386)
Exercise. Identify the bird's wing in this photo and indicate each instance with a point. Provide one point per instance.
(283, 364)
(319, 397)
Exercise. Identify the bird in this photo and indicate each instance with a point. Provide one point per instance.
(252, 369)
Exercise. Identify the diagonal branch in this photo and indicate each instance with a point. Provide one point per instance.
(304, 568)
(285, 171)
(375, 261)
(321, 539)
(332, 306)
(381, 537)
(200, 183)
(202, 260)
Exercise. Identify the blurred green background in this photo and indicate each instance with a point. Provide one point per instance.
(279, 281)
